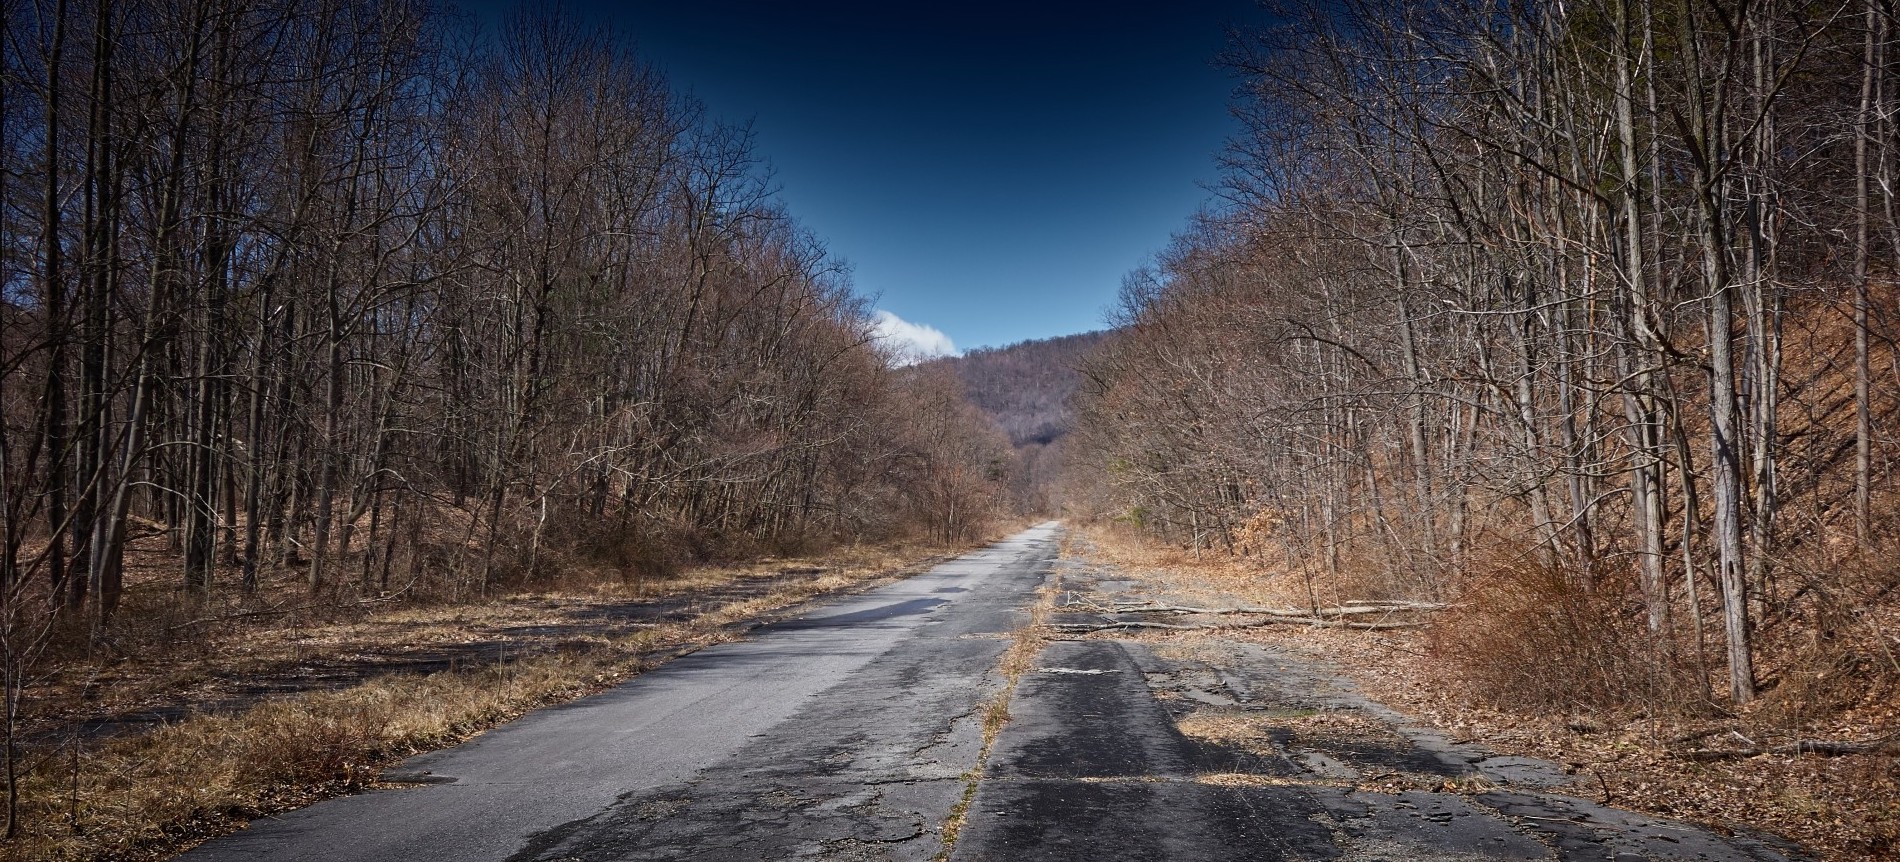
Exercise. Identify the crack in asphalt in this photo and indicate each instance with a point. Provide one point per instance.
(842, 734)
(1023, 640)
(962, 722)
(856, 732)
(866, 770)
(1095, 764)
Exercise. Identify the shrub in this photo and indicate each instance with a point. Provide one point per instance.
(1527, 635)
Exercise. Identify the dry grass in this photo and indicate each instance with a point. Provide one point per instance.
(148, 795)
(221, 658)
(1209, 579)
(1328, 731)
(1248, 732)
(1248, 779)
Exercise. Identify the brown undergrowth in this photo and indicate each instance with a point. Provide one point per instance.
(139, 756)
(1528, 637)
(1844, 807)
(1823, 681)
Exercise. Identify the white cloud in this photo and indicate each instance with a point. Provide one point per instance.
(908, 342)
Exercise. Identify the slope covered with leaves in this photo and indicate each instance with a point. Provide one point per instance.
(1575, 317)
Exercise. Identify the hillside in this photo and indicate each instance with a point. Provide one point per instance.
(1632, 422)
(1026, 386)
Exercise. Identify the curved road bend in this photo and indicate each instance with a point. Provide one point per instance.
(843, 734)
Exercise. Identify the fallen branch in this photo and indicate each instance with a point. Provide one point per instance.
(1396, 604)
(1823, 747)
(240, 615)
(1252, 624)
(1105, 627)
(1348, 609)
(1700, 734)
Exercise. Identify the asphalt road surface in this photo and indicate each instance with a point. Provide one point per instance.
(851, 732)
(1285, 761)
(841, 734)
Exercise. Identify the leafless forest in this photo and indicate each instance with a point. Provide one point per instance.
(1580, 314)
(1027, 389)
(1578, 318)
(341, 301)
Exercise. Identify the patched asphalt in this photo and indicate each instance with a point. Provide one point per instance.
(853, 732)
(1282, 766)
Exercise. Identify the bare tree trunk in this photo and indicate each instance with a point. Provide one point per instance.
(99, 282)
(1863, 399)
(1710, 145)
(1765, 319)
(1415, 424)
(330, 453)
(108, 556)
(1638, 353)
(254, 439)
(204, 462)
(54, 296)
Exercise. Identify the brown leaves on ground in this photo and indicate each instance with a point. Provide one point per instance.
(1845, 807)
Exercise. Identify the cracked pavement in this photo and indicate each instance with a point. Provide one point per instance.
(842, 734)
(853, 731)
(1204, 748)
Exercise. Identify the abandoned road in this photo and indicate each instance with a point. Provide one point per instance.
(1207, 746)
(852, 733)
(850, 726)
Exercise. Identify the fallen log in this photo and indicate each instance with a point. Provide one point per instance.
(1397, 604)
(1349, 609)
(1699, 735)
(1822, 747)
(1105, 627)
(1253, 624)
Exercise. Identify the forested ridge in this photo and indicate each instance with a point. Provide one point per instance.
(1579, 315)
(335, 302)
(1027, 386)
(1027, 389)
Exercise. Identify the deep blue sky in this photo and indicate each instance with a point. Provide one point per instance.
(991, 169)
